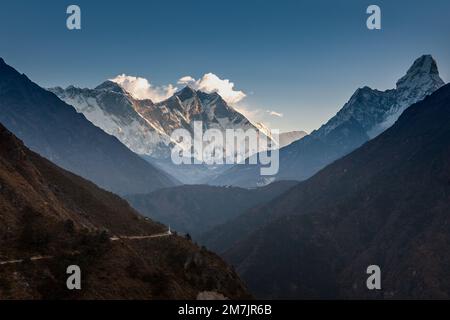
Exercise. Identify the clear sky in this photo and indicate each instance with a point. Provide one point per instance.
(301, 59)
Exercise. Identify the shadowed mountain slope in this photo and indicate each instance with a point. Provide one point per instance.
(195, 209)
(387, 203)
(61, 219)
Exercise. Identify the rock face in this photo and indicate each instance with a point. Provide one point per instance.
(55, 130)
(386, 204)
(368, 113)
(49, 212)
(146, 127)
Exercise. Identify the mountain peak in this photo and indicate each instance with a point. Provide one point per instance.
(187, 89)
(109, 85)
(425, 63)
(423, 70)
(186, 93)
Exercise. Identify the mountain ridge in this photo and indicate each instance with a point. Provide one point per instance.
(367, 113)
(145, 127)
(55, 130)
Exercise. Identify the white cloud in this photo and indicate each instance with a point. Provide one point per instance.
(186, 80)
(274, 113)
(211, 83)
(141, 88)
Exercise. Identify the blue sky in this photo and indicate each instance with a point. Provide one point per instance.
(301, 59)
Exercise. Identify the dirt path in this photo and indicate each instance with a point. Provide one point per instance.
(159, 235)
(35, 258)
(115, 238)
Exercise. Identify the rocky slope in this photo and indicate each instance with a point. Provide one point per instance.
(46, 211)
(367, 113)
(387, 203)
(55, 130)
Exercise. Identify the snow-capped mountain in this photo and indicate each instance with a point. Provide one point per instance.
(146, 127)
(368, 113)
(113, 110)
(377, 110)
(59, 133)
(189, 105)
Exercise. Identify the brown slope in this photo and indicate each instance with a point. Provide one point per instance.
(47, 211)
(387, 203)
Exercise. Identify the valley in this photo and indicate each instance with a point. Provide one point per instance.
(348, 195)
(51, 218)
